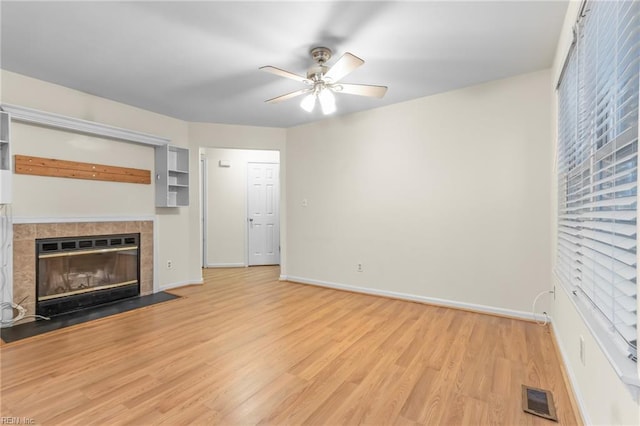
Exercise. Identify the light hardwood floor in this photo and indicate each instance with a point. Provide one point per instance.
(245, 348)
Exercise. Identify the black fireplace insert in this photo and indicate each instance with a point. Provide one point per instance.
(81, 272)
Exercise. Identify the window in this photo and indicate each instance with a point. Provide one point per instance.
(598, 167)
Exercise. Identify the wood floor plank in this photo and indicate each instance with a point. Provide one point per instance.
(246, 348)
(254, 408)
(414, 405)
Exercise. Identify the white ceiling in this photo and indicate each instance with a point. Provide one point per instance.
(198, 61)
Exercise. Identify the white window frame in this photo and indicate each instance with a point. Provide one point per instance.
(595, 321)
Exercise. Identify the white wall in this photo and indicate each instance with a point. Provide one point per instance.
(226, 221)
(442, 197)
(603, 398)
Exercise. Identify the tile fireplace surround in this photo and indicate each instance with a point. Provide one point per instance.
(24, 252)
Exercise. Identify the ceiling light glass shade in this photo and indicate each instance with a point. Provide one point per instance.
(308, 103)
(327, 101)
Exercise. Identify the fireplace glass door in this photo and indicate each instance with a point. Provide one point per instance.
(75, 273)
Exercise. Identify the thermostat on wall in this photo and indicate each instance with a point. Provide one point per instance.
(224, 163)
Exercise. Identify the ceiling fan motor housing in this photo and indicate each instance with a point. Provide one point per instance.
(321, 54)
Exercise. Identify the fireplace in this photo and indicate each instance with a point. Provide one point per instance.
(76, 273)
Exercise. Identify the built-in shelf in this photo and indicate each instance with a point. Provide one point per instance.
(5, 158)
(172, 176)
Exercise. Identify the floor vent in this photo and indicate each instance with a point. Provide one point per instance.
(538, 402)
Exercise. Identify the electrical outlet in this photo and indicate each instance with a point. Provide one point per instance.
(359, 267)
(582, 351)
(169, 264)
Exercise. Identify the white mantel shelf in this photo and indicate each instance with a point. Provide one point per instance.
(27, 220)
(56, 121)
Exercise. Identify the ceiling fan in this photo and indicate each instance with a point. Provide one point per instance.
(322, 81)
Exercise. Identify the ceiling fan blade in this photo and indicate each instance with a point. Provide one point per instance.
(287, 96)
(362, 90)
(344, 66)
(283, 73)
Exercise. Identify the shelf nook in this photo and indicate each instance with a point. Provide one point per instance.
(172, 176)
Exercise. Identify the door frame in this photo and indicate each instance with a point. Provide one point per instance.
(204, 198)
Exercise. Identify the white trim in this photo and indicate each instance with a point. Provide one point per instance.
(21, 219)
(225, 265)
(417, 298)
(156, 253)
(572, 378)
(204, 214)
(283, 278)
(57, 121)
(6, 253)
(164, 287)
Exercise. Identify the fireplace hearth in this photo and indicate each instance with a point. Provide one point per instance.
(76, 273)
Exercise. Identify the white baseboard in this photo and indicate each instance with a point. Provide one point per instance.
(283, 278)
(417, 298)
(225, 265)
(572, 378)
(164, 287)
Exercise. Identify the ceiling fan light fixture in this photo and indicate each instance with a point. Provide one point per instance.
(323, 80)
(308, 103)
(327, 101)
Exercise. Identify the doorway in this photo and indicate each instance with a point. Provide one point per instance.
(226, 229)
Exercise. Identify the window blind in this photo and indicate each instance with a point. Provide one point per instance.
(598, 165)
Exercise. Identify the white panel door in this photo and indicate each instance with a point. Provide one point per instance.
(264, 219)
